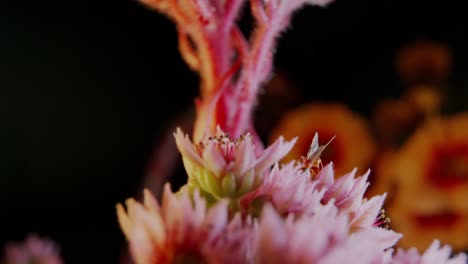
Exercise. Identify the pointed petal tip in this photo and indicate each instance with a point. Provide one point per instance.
(146, 192)
(294, 140)
(123, 219)
(178, 132)
(167, 187)
(329, 165)
(129, 202)
(149, 200)
(119, 208)
(384, 195)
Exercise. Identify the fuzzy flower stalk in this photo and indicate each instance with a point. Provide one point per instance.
(240, 203)
(231, 66)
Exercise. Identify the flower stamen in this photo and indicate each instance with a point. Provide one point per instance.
(382, 220)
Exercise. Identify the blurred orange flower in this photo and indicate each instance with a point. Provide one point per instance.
(424, 61)
(431, 174)
(352, 147)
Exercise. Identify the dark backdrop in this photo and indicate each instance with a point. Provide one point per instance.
(87, 86)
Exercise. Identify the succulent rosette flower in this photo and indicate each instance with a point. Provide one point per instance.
(347, 193)
(431, 175)
(353, 145)
(324, 237)
(183, 230)
(223, 167)
(288, 189)
(33, 250)
(435, 254)
(292, 190)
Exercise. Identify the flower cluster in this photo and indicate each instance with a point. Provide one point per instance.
(183, 230)
(292, 216)
(240, 204)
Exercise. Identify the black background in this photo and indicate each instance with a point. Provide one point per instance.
(86, 87)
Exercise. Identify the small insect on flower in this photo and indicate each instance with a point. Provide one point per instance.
(312, 161)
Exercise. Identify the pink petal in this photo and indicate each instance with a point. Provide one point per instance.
(409, 257)
(272, 238)
(460, 258)
(152, 224)
(325, 177)
(357, 249)
(199, 210)
(217, 218)
(436, 254)
(213, 159)
(186, 147)
(340, 189)
(245, 156)
(382, 238)
(174, 212)
(150, 202)
(354, 198)
(274, 153)
(124, 221)
(141, 246)
(367, 213)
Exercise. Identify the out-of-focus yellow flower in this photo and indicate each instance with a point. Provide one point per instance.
(352, 147)
(431, 174)
(424, 61)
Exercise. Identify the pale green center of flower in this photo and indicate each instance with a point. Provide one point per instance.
(228, 185)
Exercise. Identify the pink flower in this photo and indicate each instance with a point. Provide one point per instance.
(323, 237)
(223, 167)
(33, 250)
(433, 255)
(182, 229)
(290, 189)
(347, 192)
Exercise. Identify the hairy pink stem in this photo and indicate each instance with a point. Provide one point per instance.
(271, 20)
